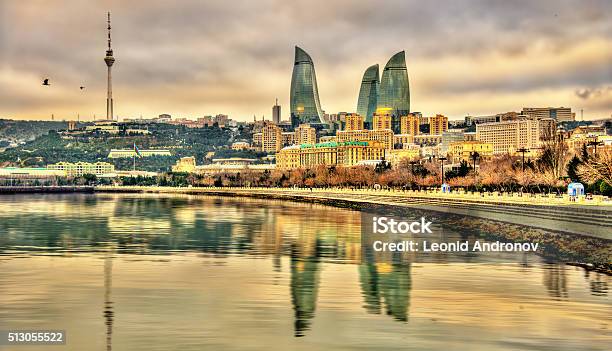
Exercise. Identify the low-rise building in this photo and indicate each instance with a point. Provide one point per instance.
(560, 114)
(136, 131)
(450, 136)
(110, 127)
(185, 164)
(30, 173)
(289, 157)
(409, 153)
(127, 153)
(327, 138)
(328, 154)
(217, 168)
(399, 140)
(384, 136)
(81, 168)
(428, 139)
(463, 150)
(470, 120)
(240, 145)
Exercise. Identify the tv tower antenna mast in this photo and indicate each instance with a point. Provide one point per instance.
(109, 59)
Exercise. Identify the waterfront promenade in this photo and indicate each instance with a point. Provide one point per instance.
(585, 217)
(46, 189)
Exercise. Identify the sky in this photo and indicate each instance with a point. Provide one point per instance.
(196, 58)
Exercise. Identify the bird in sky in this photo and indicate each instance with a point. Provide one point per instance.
(81, 87)
(46, 82)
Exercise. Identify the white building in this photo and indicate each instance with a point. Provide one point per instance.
(125, 153)
(510, 136)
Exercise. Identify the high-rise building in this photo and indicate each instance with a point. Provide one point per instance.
(438, 124)
(276, 113)
(510, 136)
(109, 59)
(394, 89)
(305, 134)
(353, 121)
(409, 124)
(271, 138)
(560, 114)
(381, 119)
(304, 94)
(368, 93)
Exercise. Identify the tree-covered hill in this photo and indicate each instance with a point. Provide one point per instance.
(181, 141)
(27, 130)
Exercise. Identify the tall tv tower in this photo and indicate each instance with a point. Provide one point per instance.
(109, 59)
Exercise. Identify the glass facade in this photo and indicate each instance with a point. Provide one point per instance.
(304, 95)
(394, 90)
(368, 93)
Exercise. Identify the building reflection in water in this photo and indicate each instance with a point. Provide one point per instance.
(555, 280)
(305, 275)
(386, 283)
(109, 314)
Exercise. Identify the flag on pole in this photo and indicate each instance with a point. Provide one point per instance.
(136, 151)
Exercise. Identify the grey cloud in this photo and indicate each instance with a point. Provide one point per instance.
(233, 45)
(579, 75)
(593, 93)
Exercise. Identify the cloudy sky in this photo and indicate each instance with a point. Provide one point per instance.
(194, 58)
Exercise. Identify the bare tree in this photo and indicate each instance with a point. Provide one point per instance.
(597, 168)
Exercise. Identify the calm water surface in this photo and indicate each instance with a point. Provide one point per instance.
(155, 272)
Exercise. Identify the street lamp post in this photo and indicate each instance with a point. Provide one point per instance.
(442, 159)
(595, 144)
(523, 150)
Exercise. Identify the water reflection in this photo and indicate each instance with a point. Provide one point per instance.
(305, 276)
(298, 240)
(109, 315)
(385, 282)
(555, 281)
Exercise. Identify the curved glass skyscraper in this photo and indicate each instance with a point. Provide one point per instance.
(304, 95)
(368, 93)
(394, 90)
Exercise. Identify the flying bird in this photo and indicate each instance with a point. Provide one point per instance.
(81, 87)
(46, 82)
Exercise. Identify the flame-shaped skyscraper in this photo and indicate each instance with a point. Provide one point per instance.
(109, 59)
(394, 94)
(304, 95)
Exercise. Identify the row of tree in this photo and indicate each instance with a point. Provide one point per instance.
(549, 173)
